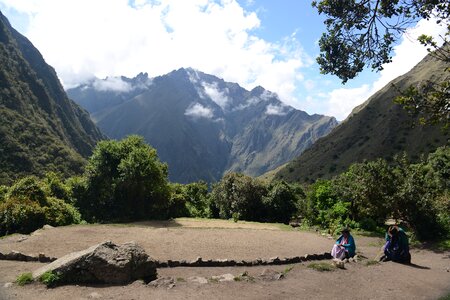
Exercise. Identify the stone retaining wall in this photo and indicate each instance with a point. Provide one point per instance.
(199, 262)
(15, 255)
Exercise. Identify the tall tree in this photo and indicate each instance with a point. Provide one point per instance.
(362, 33)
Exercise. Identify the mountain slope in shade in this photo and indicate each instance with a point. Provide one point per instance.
(201, 125)
(40, 128)
(376, 129)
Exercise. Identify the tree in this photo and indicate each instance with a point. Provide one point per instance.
(281, 202)
(239, 196)
(124, 180)
(363, 33)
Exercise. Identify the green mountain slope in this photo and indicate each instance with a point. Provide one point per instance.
(40, 128)
(377, 128)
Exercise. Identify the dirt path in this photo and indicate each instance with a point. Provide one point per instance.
(427, 278)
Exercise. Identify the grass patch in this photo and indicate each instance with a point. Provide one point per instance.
(213, 280)
(372, 262)
(322, 267)
(287, 270)
(24, 278)
(447, 297)
(244, 277)
(50, 279)
(443, 245)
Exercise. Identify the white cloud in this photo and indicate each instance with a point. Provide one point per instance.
(213, 92)
(86, 38)
(276, 110)
(199, 111)
(115, 84)
(340, 102)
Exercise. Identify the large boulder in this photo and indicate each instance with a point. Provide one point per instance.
(103, 263)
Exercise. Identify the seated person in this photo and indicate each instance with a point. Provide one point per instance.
(397, 246)
(345, 245)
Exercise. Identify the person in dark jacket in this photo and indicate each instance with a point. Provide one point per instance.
(397, 246)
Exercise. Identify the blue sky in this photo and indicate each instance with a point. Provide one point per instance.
(251, 42)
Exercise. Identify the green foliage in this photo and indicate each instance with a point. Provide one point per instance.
(28, 188)
(24, 279)
(124, 180)
(60, 213)
(240, 195)
(361, 33)
(22, 216)
(26, 207)
(189, 200)
(280, 203)
(3, 192)
(322, 267)
(55, 187)
(50, 279)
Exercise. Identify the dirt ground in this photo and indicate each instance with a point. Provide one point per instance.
(427, 278)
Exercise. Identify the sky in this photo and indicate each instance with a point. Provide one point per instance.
(251, 42)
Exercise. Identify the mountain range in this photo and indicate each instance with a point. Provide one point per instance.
(201, 125)
(41, 129)
(378, 128)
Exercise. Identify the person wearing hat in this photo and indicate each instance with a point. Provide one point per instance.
(345, 246)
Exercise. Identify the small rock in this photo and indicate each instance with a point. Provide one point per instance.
(197, 279)
(167, 282)
(339, 263)
(269, 275)
(8, 285)
(22, 238)
(224, 277)
(47, 226)
(94, 295)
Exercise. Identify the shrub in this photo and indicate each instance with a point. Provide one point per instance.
(59, 213)
(22, 216)
(238, 195)
(124, 181)
(280, 203)
(3, 192)
(24, 278)
(27, 188)
(50, 279)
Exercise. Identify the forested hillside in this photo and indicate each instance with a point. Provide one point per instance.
(40, 128)
(378, 128)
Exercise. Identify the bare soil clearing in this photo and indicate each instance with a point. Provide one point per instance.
(427, 278)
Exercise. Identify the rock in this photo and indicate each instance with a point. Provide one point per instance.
(103, 263)
(94, 295)
(223, 277)
(166, 282)
(197, 279)
(339, 263)
(47, 227)
(270, 275)
(8, 285)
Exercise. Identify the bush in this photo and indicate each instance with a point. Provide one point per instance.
(280, 204)
(124, 181)
(59, 213)
(54, 187)
(24, 278)
(3, 192)
(22, 216)
(28, 188)
(238, 196)
(50, 279)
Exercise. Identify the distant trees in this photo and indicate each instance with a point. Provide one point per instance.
(364, 32)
